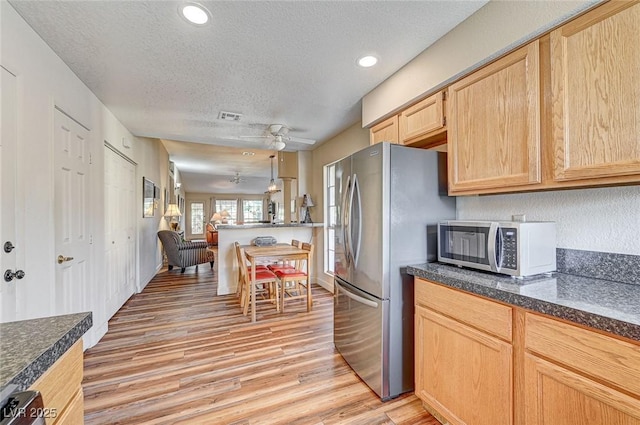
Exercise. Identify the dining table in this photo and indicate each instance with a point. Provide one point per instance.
(273, 253)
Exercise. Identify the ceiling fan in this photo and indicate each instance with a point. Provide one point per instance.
(277, 136)
(237, 179)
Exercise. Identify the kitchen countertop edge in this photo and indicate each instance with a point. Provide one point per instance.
(471, 283)
(37, 366)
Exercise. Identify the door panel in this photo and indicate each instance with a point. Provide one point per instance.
(359, 334)
(343, 181)
(71, 164)
(11, 293)
(120, 238)
(368, 222)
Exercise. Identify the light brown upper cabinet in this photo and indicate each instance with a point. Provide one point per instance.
(423, 120)
(494, 125)
(595, 74)
(385, 131)
(287, 165)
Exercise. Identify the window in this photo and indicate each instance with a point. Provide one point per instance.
(331, 214)
(230, 206)
(252, 210)
(197, 218)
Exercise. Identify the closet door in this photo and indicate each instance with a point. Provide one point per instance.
(120, 235)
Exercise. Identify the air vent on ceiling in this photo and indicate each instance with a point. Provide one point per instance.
(229, 116)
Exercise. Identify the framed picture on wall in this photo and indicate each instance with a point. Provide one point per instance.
(148, 198)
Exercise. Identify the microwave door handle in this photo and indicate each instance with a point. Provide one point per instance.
(493, 233)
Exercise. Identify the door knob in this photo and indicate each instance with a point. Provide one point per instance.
(8, 247)
(9, 275)
(62, 259)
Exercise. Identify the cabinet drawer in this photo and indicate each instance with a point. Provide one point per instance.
(74, 413)
(605, 358)
(482, 314)
(61, 382)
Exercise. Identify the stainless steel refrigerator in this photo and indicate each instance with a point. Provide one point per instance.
(387, 196)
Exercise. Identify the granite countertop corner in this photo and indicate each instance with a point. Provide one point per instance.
(28, 348)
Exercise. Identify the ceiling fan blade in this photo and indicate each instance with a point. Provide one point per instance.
(299, 140)
(256, 137)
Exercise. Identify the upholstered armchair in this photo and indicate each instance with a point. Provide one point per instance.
(184, 254)
(212, 235)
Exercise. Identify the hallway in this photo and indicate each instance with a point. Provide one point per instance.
(177, 353)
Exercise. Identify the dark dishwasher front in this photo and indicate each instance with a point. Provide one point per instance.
(22, 408)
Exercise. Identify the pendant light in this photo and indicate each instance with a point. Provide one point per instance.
(272, 183)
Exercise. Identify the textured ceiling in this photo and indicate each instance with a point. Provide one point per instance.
(289, 62)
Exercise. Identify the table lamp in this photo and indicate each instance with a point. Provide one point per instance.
(173, 212)
(225, 216)
(216, 218)
(307, 202)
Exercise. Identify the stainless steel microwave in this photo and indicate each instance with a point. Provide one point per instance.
(513, 248)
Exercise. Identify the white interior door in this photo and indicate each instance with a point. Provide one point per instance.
(120, 234)
(11, 293)
(71, 164)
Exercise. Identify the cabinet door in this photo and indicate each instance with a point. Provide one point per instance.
(595, 90)
(287, 165)
(556, 395)
(494, 125)
(422, 119)
(464, 374)
(386, 131)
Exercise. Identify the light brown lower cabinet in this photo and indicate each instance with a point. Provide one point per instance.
(462, 373)
(61, 389)
(549, 373)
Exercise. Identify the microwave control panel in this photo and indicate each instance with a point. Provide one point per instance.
(509, 248)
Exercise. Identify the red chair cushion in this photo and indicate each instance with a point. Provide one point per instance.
(263, 275)
(290, 273)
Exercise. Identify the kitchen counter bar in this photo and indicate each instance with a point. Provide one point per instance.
(600, 304)
(29, 347)
(267, 225)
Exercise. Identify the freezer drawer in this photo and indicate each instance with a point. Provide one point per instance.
(360, 332)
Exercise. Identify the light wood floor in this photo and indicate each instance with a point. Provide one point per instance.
(177, 353)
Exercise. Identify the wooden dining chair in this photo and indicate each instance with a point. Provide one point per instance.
(266, 285)
(292, 281)
(286, 264)
(241, 281)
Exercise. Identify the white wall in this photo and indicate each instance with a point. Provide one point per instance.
(486, 34)
(602, 219)
(44, 81)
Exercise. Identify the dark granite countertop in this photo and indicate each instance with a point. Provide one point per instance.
(600, 304)
(266, 225)
(29, 347)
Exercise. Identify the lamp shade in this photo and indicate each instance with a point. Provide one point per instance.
(173, 211)
(225, 214)
(307, 201)
(216, 217)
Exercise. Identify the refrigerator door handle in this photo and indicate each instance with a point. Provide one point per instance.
(355, 297)
(355, 190)
(345, 219)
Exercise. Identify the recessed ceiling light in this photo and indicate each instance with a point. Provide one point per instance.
(195, 13)
(246, 153)
(367, 61)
